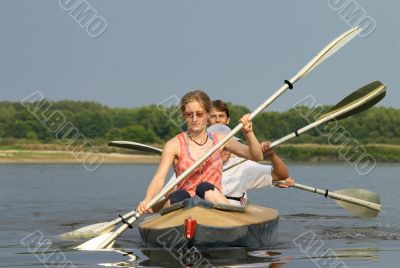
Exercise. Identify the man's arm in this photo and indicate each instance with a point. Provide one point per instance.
(279, 169)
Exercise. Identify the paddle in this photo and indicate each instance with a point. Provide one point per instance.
(356, 102)
(360, 202)
(108, 239)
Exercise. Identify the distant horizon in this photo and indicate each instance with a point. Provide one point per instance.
(145, 105)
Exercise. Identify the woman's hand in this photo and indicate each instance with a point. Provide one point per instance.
(142, 208)
(252, 150)
(247, 124)
(286, 183)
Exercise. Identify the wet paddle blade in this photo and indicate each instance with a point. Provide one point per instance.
(88, 231)
(362, 99)
(94, 243)
(359, 210)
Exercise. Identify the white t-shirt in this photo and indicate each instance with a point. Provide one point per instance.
(248, 175)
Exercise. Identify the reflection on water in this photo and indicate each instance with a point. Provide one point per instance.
(216, 257)
(236, 257)
(55, 199)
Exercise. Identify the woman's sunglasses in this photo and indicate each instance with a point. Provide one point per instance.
(192, 114)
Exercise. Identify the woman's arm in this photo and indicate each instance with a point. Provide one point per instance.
(253, 150)
(157, 183)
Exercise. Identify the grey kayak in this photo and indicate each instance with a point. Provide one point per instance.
(217, 226)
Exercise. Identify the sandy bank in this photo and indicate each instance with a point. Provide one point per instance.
(42, 157)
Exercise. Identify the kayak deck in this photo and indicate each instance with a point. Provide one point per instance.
(254, 227)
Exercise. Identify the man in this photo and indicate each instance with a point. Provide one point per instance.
(248, 175)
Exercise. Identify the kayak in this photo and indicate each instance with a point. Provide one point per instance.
(202, 224)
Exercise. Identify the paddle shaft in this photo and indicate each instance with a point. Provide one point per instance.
(340, 197)
(332, 47)
(120, 219)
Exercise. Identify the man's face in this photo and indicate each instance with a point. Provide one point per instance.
(217, 117)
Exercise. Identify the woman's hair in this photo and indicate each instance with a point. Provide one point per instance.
(220, 106)
(199, 96)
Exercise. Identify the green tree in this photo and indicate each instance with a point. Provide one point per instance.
(138, 133)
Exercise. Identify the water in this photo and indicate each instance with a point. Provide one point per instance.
(48, 200)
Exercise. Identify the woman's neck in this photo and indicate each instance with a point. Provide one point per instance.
(198, 137)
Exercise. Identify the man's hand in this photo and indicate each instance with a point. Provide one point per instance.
(286, 183)
(225, 155)
(265, 146)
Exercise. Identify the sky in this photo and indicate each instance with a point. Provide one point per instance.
(146, 52)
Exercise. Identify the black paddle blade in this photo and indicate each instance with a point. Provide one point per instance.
(362, 99)
(135, 146)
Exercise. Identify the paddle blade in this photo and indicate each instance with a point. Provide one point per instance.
(95, 243)
(359, 210)
(135, 146)
(88, 231)
(358, 101)
(330, 49)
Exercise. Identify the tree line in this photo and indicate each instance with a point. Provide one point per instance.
(154, 124)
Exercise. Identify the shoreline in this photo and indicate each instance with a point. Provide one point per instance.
(65, 157)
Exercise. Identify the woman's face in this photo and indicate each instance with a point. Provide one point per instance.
(195, 116)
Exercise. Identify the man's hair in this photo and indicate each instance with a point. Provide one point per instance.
(221, 106)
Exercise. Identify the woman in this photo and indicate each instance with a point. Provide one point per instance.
(184, 149)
